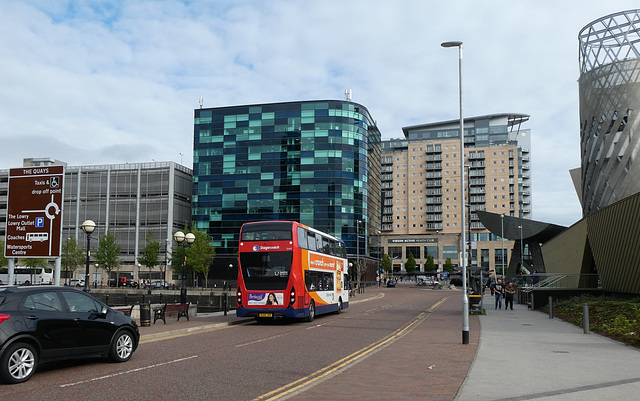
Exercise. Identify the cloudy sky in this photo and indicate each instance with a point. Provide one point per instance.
(96, 82)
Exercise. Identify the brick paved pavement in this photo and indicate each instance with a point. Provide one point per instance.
(428, 363)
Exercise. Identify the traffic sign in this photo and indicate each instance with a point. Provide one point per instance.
(34, 212)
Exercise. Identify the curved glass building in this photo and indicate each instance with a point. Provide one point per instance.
(316, 162)
(609, 87)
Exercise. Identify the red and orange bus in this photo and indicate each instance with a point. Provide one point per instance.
(287, 269)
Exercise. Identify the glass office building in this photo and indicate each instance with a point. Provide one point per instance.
(316, 162)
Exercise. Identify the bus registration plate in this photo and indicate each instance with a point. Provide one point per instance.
(265, 315)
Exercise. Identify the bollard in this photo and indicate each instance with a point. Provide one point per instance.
(585, 318)
(145, 315)
(550, 307)
(225, 301)
(107, 299)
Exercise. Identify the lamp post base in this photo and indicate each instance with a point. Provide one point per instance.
(183, 295)
(465, 337)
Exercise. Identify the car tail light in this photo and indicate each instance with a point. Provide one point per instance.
(292, 296)
(239, 296)
(3, 317)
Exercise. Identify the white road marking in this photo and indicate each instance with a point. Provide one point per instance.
(127, 372)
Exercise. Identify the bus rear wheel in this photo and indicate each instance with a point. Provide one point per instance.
(312, 312)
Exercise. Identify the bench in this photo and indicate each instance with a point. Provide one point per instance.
(126, 309)
(181, 309)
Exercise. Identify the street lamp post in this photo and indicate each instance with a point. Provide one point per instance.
(358, 254)
(465, 298)
(521, 249)
(502, 238)
(88, 226)
(184, 241)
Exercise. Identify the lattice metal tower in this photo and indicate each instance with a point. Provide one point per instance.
(609, 107)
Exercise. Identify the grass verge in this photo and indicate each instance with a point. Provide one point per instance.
(616, 318)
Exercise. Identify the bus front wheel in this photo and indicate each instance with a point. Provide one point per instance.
(312, 312)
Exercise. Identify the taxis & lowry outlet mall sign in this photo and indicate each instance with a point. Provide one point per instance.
(34, 212)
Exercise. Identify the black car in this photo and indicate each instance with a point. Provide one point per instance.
(45, 323)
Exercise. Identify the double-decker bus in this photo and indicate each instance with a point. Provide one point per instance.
(287, 269)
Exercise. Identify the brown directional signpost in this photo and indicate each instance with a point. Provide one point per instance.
(34, 212)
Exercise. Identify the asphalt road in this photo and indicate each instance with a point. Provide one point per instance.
(244, 362)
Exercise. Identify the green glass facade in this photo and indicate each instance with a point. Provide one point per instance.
(316, 162)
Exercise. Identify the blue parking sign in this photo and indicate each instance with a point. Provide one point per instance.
(39, 221)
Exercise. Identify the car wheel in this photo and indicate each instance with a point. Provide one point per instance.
(18, 363)
(312, 311)
(121, 347)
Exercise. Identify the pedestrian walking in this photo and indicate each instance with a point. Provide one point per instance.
(509, 291)
(498, 290)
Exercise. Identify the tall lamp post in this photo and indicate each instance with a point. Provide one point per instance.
(88, 226)
(184, 241)
(521, 249)
(358, 267)
(465, 298)
(502, 238)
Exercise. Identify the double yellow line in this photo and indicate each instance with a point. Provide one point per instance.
(344, 363)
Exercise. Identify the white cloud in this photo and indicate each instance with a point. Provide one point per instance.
(117, 81)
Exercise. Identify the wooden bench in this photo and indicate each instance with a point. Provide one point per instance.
(181, 309)
(126, 309)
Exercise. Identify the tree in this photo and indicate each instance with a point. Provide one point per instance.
(410, 266)
(3, 261)
(199, 255)
(107, 255)
(430, 265)
(150, 253)
(72, 255)
(448, 266)
(35, 262)
(386, 263)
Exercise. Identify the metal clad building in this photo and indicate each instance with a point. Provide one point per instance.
(129, 200)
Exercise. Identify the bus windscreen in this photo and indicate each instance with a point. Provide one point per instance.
(266, 270)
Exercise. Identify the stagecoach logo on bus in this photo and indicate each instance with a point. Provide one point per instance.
(257, 248)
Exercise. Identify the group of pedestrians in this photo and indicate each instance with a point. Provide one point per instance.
(499, 290)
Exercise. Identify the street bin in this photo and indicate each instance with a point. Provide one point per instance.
(145, 315)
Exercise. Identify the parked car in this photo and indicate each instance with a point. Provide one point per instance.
(159, 284)
(123, 283)
(76, 283)
(44, 324)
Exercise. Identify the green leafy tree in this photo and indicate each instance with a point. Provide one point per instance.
(72, 255)
(3, 261)
(448, 266)
(150, 253)
(35, 262)
(410, 266)
(430, 265)
(199, 255)
(386, 263)
(107, 255)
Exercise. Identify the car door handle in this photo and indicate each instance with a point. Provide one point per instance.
(77, 320)
(32, 317)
